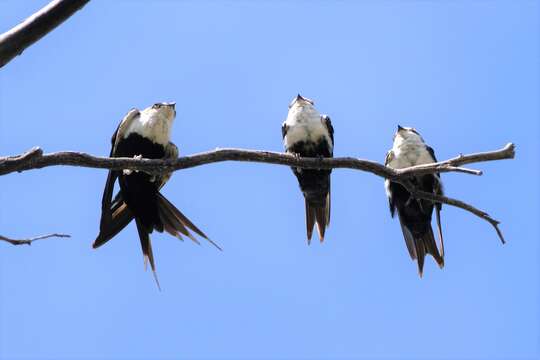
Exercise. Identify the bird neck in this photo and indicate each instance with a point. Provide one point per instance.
(303, 115)
(153, 126)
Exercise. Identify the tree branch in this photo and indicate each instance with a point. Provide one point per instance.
(418, 194)
(35, 159)
(13, 42)
(507, 152)
(30, 240)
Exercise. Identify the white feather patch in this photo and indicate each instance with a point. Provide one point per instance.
(152, 124)
(305, 124)
(409, 150)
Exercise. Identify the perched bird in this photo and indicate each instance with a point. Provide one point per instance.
(143, 134)
(307, 133)
(409, 149)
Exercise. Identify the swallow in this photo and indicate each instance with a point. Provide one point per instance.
(307, 133)
(143, 134)
(409, 149)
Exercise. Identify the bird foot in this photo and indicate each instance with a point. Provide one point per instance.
(129, 171)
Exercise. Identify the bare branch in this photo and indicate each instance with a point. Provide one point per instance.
(16, 40)
(507, 152)
(35, 159)
(30, 240)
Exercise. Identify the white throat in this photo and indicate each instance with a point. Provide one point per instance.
(409, 140)
(409, 150)
(152, 124)
(302, 114)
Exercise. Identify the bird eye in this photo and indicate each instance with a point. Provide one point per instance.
(156, 106)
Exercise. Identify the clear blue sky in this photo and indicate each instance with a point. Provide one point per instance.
(465, 74)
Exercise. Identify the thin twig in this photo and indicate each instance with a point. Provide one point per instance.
(30, 240)
(465, 170)
(418, 194)
(13, 42)
(507, 152)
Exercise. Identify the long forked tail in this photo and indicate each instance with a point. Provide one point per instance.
(318, 213)
(146, 247)
(421, 244)
(177, 224)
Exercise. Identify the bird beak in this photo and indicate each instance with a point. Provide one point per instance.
(303, 99)
(399, 128)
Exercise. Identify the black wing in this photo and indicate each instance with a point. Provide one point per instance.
(438, 190)
(106, 208)
(284, 129)
(109, 187)
(328, 123)
(391, 203)
(431, 152)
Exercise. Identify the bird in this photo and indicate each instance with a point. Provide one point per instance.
(409, 149)
(307, 133)
(143, 134)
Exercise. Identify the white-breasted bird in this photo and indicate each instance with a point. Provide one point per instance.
(143, 134)
(307, 133)
(409, 149)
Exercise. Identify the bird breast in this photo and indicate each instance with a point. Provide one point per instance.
(410, 154)
(305, 124)
(309, 132)
(154, 128)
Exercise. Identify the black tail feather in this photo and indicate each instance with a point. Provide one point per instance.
(317, 213)
(172, 224)
(439, 228)
(310, 220)
(179, 222)
(421, 244)
(146, 246)
(320, 216)
(121, 217)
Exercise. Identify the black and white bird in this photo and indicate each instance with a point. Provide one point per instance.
(307, 133)
(143, 134)
(409, 149)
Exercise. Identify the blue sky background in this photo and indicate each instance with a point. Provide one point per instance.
(464, 73)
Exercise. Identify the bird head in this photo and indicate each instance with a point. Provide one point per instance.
(301, 101)
(407, 133)
(165, 111)
(157, 120)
